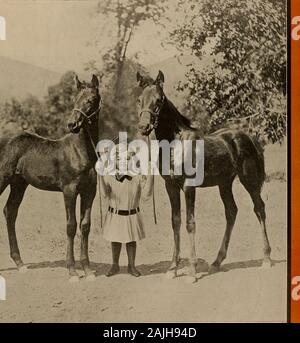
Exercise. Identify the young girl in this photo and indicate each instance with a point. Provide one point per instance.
(123, 221)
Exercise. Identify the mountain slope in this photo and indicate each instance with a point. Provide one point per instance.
(19, 79)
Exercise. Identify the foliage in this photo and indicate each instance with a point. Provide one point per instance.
(120, 115)
(245, 44)
(46, 118)
(118, 72)
(125, 17)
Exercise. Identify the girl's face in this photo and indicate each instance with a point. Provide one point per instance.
(123, 159)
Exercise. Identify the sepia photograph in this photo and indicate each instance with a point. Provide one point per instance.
(143, 161)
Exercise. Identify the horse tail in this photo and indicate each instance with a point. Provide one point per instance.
(250, 161)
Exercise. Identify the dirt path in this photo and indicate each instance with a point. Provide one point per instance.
(243, 291)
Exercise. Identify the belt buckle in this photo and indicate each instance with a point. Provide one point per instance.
(116, 211)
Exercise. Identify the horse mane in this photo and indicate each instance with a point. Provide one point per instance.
(182, 121)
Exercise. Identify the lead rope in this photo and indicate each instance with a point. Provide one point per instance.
(153, 195)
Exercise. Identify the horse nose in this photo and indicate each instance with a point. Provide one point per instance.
(70, 125)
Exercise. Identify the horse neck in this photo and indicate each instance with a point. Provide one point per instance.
(169, 124)
(88, 138)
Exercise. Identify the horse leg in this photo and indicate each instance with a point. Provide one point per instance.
(190, 193)
(70, 195)
(174, 195)
(17, 190)
(86, 201)
(230, 213)
(259, 209)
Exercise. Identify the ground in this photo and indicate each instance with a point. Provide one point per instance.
(242, 291)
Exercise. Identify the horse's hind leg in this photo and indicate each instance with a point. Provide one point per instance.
(230, 213)
(17, 190)
(86, 201)
(259, 209)
(190, 194)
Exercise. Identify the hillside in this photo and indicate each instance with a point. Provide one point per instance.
(18, 79)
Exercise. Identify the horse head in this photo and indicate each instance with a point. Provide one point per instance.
(150, 102)
(87, 105)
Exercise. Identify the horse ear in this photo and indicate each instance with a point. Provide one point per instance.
(78, 84)
(160, 79)
(95, 81)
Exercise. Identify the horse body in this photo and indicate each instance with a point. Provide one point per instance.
(47, 164)
(227, 154)
(65, 165)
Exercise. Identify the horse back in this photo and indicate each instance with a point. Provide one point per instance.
(227, 151)
(44, 163)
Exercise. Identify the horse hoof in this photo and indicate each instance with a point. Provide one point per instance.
(23, 269)
(74, 279)
(90, 277)
(267, 264)
(213, 269)
(190, 279)
(170, 274)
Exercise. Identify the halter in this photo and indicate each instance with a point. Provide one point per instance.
(88, 117)
(154, 114)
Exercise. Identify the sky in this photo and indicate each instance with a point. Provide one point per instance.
(59, 35)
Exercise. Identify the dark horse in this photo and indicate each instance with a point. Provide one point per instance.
(227, 153)
(65, 165)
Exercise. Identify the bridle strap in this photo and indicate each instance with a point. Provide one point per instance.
(88, 117)
(155, 114)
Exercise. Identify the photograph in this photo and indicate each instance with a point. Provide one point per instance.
(144, 153)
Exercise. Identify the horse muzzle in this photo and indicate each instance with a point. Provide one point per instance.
(74, 127)
(146, 130)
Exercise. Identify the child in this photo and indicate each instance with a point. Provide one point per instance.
(123, 221)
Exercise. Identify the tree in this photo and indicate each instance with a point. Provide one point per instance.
(47, 118)
(244, 43)
(59, 103)
(120, 115)
(125, 16)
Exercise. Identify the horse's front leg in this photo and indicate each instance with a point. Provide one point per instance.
(86, 201)
(174, 196)
(70, 195)
(190, 193)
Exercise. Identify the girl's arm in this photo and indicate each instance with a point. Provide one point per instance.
(104, 185)
(104, 180)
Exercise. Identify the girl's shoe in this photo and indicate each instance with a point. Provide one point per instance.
(133, 271)
(113, 270)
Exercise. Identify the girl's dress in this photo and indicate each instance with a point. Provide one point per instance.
(123, 196)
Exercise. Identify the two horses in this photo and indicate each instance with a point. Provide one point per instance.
(67, 165)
